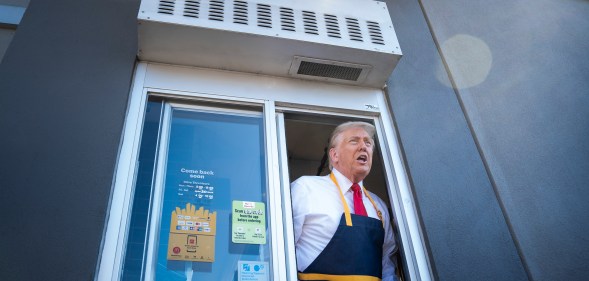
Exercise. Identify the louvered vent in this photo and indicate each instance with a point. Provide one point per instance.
(350, 42)
(216, 10)
(264, 16)
(310, 23)
(240, 12)
(329, 71)
(332, 26)
(191, 8)
(166, 7)
(354, 29)
(287, 19)
(290, 19)
(375, 33)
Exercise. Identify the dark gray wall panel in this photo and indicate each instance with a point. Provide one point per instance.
(466, 230)
(64, 84)
(530, 114)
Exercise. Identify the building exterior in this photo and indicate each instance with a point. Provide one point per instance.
(483, 137)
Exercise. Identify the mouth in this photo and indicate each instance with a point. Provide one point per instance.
(363, 159)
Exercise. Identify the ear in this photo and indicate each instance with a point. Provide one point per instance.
(333, 155)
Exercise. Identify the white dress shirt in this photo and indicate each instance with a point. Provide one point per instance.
(317, 210)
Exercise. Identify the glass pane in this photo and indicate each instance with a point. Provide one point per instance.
(214, 161)
(138, 226)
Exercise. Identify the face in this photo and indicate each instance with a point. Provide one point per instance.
(352, 154)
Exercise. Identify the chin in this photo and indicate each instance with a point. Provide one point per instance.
(362, 173)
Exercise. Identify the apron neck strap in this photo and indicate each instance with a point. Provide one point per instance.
(347, 209)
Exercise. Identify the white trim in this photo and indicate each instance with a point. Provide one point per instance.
(291, 265)
(409, 227)
(274, 194)
(395, 198)
(236, 85)
(198, 96)
(218, 110)
(328, 111)
(110, 261)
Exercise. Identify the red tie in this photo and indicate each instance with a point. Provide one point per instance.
(359, 208)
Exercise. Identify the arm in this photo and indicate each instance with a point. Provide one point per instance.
(299, 209)
(389, 246)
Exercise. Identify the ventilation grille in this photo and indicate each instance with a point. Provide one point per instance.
(264, 16)
(287, 21)
(375, 33)
(240, 12)
(216, 10)
(354, 29)
(329, 71)
(192, 8)
(310, 21)
(291, 20)
(166, 7)
(332, 26)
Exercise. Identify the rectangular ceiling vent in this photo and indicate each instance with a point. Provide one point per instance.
(326, 70)
(261, 36)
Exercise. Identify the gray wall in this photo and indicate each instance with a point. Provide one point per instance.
(497, 138)
(462, 218)
(64, 84)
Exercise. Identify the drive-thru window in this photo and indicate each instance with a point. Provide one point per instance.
(202, 189)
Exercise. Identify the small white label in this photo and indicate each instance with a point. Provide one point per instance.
(249, 205)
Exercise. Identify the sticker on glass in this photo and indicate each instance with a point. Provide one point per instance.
(252, 271)
(249, 222)
(189, 243)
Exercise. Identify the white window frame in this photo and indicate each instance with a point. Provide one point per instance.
(157, 201)
(275, 95)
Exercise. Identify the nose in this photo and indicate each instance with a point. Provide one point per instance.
(363, 146)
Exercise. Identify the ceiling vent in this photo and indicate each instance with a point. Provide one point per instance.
(331, 71)
(293, 38)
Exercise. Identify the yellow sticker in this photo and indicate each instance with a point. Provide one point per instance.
(192, 234)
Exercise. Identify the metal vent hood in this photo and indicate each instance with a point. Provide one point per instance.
(340, 41)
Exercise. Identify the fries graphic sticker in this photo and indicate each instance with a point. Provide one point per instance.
(192, 234)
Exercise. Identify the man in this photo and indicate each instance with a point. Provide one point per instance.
(340, 228)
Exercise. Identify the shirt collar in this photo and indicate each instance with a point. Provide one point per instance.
(344, 183)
